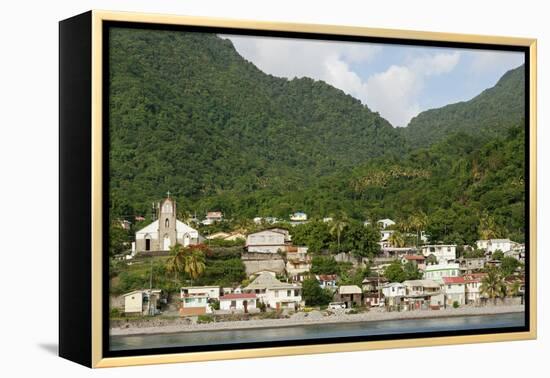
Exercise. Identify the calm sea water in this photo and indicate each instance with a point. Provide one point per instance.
(385, 327)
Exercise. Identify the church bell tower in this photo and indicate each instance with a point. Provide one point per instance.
(167, 223)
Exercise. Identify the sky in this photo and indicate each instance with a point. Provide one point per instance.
(397, 81)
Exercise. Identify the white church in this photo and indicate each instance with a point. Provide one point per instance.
(165, 232)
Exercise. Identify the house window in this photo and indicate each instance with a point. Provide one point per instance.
(233, 303)
(167, 223)
(296, 293)
(288, 293)
(449, 286)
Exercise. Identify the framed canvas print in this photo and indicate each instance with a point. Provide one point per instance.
(234, 189)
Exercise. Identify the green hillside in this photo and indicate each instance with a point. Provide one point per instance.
(465, 187)
(487, 115)
(188, 114)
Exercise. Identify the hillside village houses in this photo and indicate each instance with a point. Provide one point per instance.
(270, 253)
(493, 245)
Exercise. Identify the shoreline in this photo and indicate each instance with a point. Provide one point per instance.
(312, 318)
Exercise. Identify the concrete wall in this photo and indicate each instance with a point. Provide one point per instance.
(255, 266)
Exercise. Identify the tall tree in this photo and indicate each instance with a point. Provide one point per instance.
(396, 239)
(338, 225)
(492, 285)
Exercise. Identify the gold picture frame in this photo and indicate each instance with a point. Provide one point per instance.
(92, 24)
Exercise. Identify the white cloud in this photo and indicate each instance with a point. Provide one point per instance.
(393, 93)
(491, 61)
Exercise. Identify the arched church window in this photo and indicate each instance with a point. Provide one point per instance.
(167, 223)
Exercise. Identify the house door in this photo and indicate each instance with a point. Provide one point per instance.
(147, 244)
(245, 305)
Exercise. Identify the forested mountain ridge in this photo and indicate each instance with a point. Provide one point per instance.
(487, 115)
(188, 114)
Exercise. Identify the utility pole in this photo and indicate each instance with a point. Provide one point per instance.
(150, 286)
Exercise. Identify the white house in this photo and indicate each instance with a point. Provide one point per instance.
(517, 252)
(438, 271)
(392, 291)
(298, 217)
(385, 236)
(473, 287)
(238, 302)
(268, 241)
(143, 302)
(268, 220)
(211, 291)
(455, 290)
(195, 300)
(421, 287)
(493, 245)
(212, 217)
(385, 223)
(443, 252)
(327, 281)
(274, 293)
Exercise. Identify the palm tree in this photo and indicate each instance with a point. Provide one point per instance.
(487, 227)
(405, 225)
(396, 239)
(174, 263)
(338, 225)
(492, 285)
(418, 223)
(193, 262)
(189, 260)
(513, 290)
